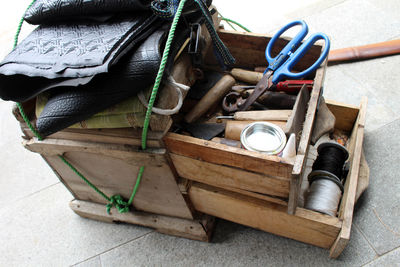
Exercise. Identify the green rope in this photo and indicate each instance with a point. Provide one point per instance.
(84, 178)
(28, 122)
(237, 23)
(21, 109)
(116, 200)
(21, 21)
(230, 24)
(160, 73)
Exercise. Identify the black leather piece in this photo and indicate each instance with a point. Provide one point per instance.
(55, 11)
(67, 54)
(133, 73)
(49, 11)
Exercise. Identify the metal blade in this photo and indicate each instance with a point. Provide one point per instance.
(261, 87)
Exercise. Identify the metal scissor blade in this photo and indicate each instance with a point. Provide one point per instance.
(261, 87)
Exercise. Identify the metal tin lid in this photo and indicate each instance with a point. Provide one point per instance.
(263, 137)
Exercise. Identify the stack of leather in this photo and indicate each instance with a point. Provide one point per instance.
(85, 57)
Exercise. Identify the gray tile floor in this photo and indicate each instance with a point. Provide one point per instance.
(39, 229)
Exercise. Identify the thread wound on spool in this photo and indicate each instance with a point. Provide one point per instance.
(325, 179)
(331, 158)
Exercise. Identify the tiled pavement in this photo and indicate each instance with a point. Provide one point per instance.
(39, 229)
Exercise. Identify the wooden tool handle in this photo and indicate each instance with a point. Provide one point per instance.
(263, 115)
(233, 129)
(365, 51)
(247, 76)
(214, 95)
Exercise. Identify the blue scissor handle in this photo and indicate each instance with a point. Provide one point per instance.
(275, 62)
(285, 69)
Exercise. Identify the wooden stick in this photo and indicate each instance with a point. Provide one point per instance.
(365, 51)
(214, 95)
(263, 115)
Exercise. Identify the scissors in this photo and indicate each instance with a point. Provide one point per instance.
(280, 67)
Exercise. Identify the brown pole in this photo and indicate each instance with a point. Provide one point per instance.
(365, 51)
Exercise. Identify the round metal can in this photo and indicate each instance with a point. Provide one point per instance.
(263, 137)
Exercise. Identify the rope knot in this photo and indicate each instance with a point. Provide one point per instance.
(119, 203)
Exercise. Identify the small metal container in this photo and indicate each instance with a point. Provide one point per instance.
(263, 137)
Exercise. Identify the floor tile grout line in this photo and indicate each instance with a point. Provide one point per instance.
(124, 243)
(33, 193)
(349, 74)
(366, 239)
(386, 124)
(390, 251)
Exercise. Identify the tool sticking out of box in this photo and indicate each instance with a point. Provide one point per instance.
(259, 129)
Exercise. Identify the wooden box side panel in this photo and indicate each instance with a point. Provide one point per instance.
(249, 49)
(115, 171)
(306, 226)
(228, 177)
(350, 189)
(305, 139)
(228, 156)
(346, 115)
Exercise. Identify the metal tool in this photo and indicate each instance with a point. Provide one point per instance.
(281, 65)
(288, 86)
(260, 115)
(269, 100)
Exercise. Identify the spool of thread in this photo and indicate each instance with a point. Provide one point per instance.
(331, 158)
(324, 196)
(326, 187)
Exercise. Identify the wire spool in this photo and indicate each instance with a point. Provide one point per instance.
(326, 187)
(331, 158)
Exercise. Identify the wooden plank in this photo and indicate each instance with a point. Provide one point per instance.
(296, 119)
(199, 229)
(151, 157)
(249, 49)
(93, 135)
(304, 143)
(350, 190)
(257, 195)
(306, 226)
(226, 155)
(157, 192)
(345, 114)
(228, 177)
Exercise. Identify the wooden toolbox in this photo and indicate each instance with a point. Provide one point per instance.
(187, 180)
(246, 171)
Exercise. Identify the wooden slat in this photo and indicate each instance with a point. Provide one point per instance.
(350, 190)
(306, 226)
(157, 192)
(226, 155)
(345, 114)
(193, 229)
(296, 119)
(227, 177)
(151, 157)
(249, 49)
(99, 136)
(304, 143)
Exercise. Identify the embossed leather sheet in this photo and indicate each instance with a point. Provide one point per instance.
(69, 55)
(50, 11)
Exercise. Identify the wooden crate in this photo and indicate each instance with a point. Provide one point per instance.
(111, 159)
(305, 225)
(247, 172)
